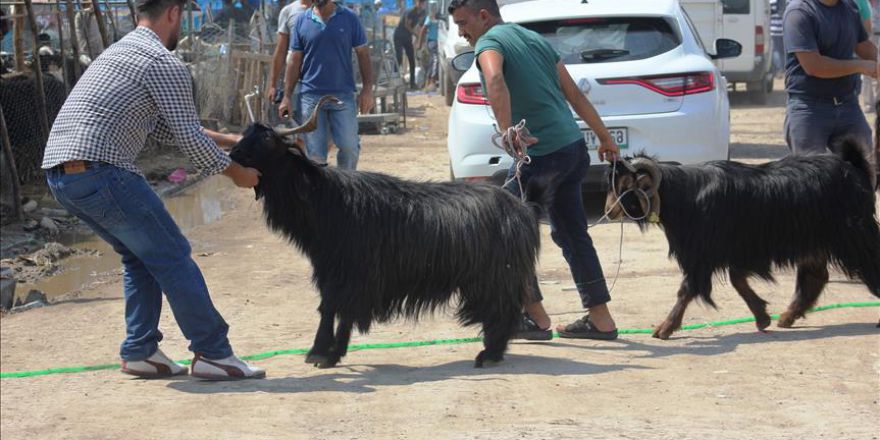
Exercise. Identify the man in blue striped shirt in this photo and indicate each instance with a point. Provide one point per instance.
(777, 7)
(134, 89)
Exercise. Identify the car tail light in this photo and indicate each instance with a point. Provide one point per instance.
(471, 94)
(670, 85)
(759, 40)
(476, 179)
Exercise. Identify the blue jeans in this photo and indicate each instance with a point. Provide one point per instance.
(778, 55)
(124, 211)
(338, 120)
(564, 171)
(811, 123)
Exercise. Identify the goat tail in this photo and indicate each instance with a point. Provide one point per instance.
(538, 197)
(851, 149)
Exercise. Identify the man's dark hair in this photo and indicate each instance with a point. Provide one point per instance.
(489, 5)
(155, 8)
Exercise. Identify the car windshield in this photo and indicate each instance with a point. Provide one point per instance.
(598, 40)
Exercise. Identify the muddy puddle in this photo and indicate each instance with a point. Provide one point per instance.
(200, 204)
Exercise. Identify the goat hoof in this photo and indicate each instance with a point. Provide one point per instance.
(785, 321)
(486, 360)
(322, 360)
(662, 332)
(762, 322)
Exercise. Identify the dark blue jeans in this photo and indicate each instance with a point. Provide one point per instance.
(124, 211)
(564, 171)
(811, 123)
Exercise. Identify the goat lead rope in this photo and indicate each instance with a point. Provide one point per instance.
(608, 211)
(519, 153)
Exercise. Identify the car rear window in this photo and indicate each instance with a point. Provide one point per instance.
(600, 40)
(735, 6)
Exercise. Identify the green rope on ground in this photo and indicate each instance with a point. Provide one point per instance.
(387, 345)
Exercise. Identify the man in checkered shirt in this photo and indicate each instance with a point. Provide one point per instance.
(134, 89)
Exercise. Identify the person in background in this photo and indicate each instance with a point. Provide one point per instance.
(322, 41)
(866, 13)
(88, 37)
(777, 7)
(286, 20)
(403, 38)
(822, 74)
(429, 33)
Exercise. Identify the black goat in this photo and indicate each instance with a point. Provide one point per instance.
(383, 247)
(799, 211)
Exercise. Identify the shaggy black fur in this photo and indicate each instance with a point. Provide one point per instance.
(383, 247)
(801, 211)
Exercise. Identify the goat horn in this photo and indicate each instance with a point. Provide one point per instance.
(648, 165)
(312, 123)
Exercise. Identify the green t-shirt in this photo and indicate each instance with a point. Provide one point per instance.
(535, 95)
(864, 9)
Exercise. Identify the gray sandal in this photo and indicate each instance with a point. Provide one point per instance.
(583, 329)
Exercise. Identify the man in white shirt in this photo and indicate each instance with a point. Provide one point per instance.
(286, 19)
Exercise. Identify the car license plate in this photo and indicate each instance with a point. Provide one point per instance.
(619, 134)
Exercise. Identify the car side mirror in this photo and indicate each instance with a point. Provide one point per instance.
(462, 62)
(726, 48)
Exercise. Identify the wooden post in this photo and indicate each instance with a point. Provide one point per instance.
(190, 24)
(230, 70)
(38, 72)
(13, 171)
(64, 70)
(112, 20)
(74, 41)
(18, 37)
(99, 19)
(131, 8)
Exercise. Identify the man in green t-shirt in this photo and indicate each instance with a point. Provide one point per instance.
(524, 79)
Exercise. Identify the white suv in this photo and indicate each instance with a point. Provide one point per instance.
(648, 76)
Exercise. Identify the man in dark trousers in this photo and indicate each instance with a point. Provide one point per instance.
(822, 75)
(524, 78)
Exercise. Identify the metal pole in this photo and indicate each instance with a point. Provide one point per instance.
(38, 72)
(13, 171)
(74, 41)
(99, 18)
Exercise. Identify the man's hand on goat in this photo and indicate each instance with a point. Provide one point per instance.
(243, 177)
(608, 150)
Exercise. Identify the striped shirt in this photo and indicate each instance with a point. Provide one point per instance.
(775, 19)
(134, 89)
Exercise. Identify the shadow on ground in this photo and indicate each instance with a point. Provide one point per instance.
(363, 378)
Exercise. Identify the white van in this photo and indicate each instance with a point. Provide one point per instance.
(748, 23)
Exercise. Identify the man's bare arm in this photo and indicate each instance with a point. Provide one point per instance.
(492, 65)
(277, 61)
(821, 66)
(866, 50)
(365, 64)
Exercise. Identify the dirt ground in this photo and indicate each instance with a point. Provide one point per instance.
(820, 380)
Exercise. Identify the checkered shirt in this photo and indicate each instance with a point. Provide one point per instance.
(134, 89)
